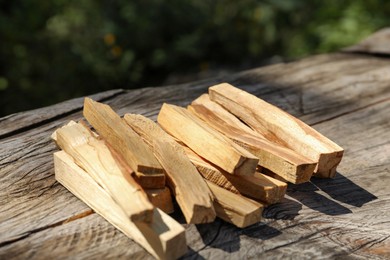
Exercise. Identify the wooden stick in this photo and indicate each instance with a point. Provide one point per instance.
(259, 186)
(290, 165)
(163, 238)
(95, 158)
(190, 190)
(126, 142)
(277, 125)
(206, 141)
(235, 209)
(161, 198)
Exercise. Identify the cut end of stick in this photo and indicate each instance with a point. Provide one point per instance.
(161, 198)
(234, 208)
(328, 163)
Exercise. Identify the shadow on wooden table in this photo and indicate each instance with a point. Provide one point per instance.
(286, 209)
(344, 190)
(226, 237)
(340, 189)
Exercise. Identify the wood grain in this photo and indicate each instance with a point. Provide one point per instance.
(257, 186)
(344, 96)
(206, 141)
(288, 164)
(234, 208)
(96, 159)
(190, 190)
(126, 143)
(163, 237)
(280, 127)
(23, 121)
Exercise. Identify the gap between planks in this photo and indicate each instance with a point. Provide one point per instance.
(26, 234)
(350, 111)
(56, 117)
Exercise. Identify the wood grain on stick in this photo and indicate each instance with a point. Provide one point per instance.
(206, 141)
(188, 186)
(279, 126)
(163, 238)
(283, 161)
(234, 208)
(96, 159)
(126, 142)
(257, 186)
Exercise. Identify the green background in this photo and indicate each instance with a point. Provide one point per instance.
(52, 50)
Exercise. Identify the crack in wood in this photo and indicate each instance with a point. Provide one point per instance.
(51, 119)
(56, 224)
(350, 111)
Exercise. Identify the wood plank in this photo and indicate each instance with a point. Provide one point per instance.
(164, 238)
(258, 186)
(258, 240)
(126, 143)
(161, 198)
(205, 141)
(96, 159)
(235, 209)
(190, 190)
(89, 237)
(290, 165)
(279, 126)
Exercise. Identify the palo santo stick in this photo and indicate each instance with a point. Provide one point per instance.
(290, 165)
(163, 238)
(277, 125)
(234, 208)
(190, 190)
(126, 143)
(259, 186)
(161, 198)
(206, 141)
(95, 158)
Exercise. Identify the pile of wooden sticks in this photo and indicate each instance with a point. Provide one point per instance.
(228, 155)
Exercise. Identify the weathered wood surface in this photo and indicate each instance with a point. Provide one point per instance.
(345, 96)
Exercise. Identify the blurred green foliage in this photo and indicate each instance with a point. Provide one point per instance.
(51, 50)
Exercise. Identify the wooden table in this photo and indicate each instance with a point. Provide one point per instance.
(345, 96)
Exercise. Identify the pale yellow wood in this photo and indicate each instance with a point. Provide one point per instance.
(258, 186)
(234, 208)
(283, 161)
(206, 141)
(95, 158)
(188, 186)
(277, 125)
(163, 238)
(126, 142)
(161, 198)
